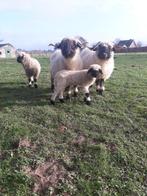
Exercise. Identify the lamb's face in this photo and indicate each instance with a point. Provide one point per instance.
(95, 72)
(68, 47)
(103, 51)
(20, 58)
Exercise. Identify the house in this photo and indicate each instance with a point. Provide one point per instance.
(7, 51)
(126, 44)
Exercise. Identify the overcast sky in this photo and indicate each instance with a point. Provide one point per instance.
(33, 24)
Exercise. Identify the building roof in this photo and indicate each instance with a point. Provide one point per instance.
(126, 43)
(2, 45)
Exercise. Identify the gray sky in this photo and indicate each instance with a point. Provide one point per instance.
(33, 24)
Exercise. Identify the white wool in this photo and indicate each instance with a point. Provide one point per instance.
(89, 57)
(58, 62)
(31, 66)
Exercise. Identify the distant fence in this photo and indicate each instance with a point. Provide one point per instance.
(125, 50)
(37, 53)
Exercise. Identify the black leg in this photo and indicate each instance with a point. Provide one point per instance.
(100, 85)
(87, 99)
(35, 83)
(30, 84)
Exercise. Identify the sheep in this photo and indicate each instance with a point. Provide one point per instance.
(31, 66)
(102, 54)
(65, 57)
(82, 78)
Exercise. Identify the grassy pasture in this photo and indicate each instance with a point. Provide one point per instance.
(72, 148)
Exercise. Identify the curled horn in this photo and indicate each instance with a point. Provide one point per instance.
(56, 46)
(79, 44)
(94, 47)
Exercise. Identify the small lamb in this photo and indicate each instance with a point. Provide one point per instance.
(31, 66)
(81, 78)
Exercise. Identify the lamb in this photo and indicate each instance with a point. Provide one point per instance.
(102, 54)
(31, 66)
(65, 57)
(81, 78)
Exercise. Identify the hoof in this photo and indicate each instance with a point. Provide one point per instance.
(75, 94)
(68, 97)
(61, 100)
(35, 85)
(100, 91)
(86, 101)
(52, 102)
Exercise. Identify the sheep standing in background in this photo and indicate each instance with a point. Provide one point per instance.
(31, 66)
(65, 57)
(81, 78)
(102, 54)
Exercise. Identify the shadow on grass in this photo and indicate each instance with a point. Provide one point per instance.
(22, 95)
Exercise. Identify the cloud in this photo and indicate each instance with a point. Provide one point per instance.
(15, 5)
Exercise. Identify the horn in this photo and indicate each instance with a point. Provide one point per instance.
(56, 46)
(51, 44)
(79, 44)
(96, 45)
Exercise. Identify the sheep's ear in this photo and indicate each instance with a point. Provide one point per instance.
(89, 70)
(21, 54)
(113, 49)
(100, 71)
(57, 45)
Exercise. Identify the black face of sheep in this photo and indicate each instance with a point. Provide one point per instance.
(68, 47)
(103, 50)
(94, 72)
(19, 59)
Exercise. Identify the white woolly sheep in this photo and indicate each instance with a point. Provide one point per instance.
(81, 78)
(102, 54)
(65, 57)
(31, 66)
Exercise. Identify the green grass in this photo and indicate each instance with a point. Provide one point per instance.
(98, 150)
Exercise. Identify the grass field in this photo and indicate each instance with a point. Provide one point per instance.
(72, 148)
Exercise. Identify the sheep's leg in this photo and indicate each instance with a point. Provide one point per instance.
(30, 81)
(61, 98)
(35, 83)
(53, 97)
(75, 91)
(100, 86)
(87, 98)
(68, 89)
(52, 84)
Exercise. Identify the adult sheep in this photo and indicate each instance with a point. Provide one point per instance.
(82, 78)
(65, 57)
(31, 66)
(102, 54)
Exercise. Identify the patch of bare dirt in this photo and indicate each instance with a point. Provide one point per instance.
(62, 128)
(25, 142)
(46, 175)
(79, 140)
